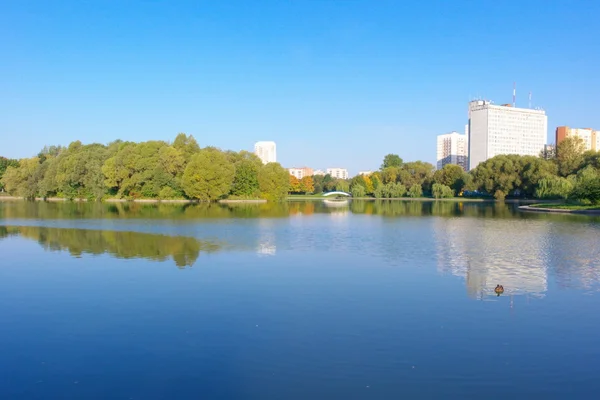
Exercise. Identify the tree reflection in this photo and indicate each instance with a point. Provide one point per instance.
(184, 251)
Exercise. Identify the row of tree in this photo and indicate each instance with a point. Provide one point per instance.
(157, 169)
(152, 169)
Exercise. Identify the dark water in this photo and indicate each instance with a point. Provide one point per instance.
(305, 300)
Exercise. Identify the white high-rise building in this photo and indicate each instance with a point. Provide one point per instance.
(452, 148)
(503, 129)
(266, 151)
(340, 173)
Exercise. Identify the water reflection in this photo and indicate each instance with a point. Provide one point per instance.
(519, 256)
(385, 208)
(184, 251)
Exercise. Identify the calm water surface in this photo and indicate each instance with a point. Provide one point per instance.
(305, 300)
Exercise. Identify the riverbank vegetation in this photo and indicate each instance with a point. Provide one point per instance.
(182, 170)
(146, 170)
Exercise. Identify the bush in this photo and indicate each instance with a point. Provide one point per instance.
(415, 191)
(440, 191)
(587, 186)
(358, 191)
(554, 188)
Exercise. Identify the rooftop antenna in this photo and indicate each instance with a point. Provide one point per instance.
(529, 99)
(514, 93)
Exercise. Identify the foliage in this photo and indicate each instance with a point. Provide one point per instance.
(342, 186)
(358, 191)
(390, 190)
(273, 181)
(23, 180)
(307, 185)
(569, 155)
(440, 191)
(245, 181)
(4, 164)
(554, 187)
(391, 160)
(208, 176)
(587, 186)
(415, 191)
(294, 184)
(451, 175)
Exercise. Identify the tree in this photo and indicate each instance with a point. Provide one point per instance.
(569, 155)
(294, 184)
(4, 164)
(358, 191)
(390, 174)
(187, 145)
(499, 175)
(23, 180)
(415, 191)
(245, 182)
(307, 185)
(342, 186)
(440, 191)
(450, 175)
(391, 160)
(587, 186)
(273, 181)
(208, 176)
(554, 187)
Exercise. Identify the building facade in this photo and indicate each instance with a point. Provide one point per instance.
(452, 148)
(319, 172)
(590, 137)
(503, 129)
(301, 172)
(340, 173)
(365, 173)
(266, 151)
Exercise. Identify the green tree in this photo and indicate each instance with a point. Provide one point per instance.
(450, 175)
(23, 180)
(342, 186)
(587, 186)
(499, 175)
(245, 182)
(273, 181)
(569, 155)
(415, 191)
(4, 164)
(358, 191)
(208, 176)
(554, 187)
(187, 145)
(391, 160)
(440, 191)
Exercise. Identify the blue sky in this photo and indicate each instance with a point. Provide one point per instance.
(334, 83)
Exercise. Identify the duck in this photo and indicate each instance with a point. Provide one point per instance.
(499, 289)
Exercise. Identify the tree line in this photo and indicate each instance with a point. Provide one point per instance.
(183, 170)
(152, 169)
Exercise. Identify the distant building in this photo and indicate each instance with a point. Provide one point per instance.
(590, 137)
(365, 173)
(266, 151)
(452, 148)
(301, 172)
(503, 129)
(340, 173)
(318, 172)
(549, 152)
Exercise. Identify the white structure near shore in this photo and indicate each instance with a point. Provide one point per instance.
(504, 129)
(340, 173)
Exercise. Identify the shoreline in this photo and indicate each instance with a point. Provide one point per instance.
(558, 210)
(149, 201)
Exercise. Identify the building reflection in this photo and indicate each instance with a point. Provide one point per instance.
(488, 252)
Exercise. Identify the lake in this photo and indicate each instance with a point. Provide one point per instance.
(302, 300)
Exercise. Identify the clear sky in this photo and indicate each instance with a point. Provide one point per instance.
(333, 82)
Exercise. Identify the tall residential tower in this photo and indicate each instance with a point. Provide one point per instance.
(266, 151)
(452, 148)
(503, 129)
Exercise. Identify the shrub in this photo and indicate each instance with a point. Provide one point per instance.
(415, 191)
(440, 191)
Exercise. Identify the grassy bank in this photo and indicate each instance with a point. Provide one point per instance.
(567, 207)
